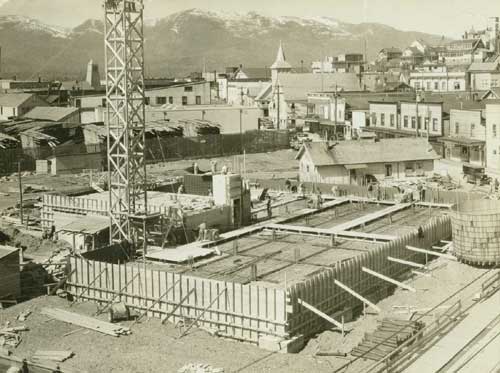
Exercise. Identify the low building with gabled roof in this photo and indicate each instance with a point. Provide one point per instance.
(17, 104)
(363, 161)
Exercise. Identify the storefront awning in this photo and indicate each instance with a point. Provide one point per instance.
(355, 166)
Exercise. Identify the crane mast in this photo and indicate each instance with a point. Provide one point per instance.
(125, 102)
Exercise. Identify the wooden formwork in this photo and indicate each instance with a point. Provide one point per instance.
(322, 293)
(476, 227)
(238, 311)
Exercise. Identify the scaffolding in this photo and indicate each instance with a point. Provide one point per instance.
(125, 102)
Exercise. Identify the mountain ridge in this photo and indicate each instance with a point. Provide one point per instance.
(183, 42)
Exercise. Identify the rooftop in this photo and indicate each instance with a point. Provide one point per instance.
(360, 152)
(14, 99)
(7, 250)
(51, 113)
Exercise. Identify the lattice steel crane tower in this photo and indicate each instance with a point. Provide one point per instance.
(125, 102)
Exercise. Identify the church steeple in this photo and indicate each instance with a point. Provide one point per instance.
(280, 65)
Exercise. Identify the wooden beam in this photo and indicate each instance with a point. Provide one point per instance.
(154, 303)
(406, 262)
(321, 314)
(356, 295)
(388, 279)
(418, 273)
(429, 252)
(164, 319)
(223, 291)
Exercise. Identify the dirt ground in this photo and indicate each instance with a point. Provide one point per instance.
(153, 347)
(279, 164)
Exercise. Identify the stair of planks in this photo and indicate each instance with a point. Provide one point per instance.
(389, 334)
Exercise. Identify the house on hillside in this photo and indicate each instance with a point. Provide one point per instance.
(465, 52)
(358, 162)
(18, 104)
(484, 75)
(388, 54)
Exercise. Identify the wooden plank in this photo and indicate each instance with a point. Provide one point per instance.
(203, 312)
(429, 252)
(356, 295)
(388, 279)
(321, 314)
(406, 262)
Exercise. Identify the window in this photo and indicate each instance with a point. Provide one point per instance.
(413, 122)
(434, 124)
(405, 121)
(170, 100)
(443, 86)
(198, 100)
(436, 86)
(184, 100)
(456, 86)
(426, 123)
(419, 165)
(374, 119)
(392, 120)
(382, 119)
(494, 83)
(417, 85)
(494, 128)
(419, 122)
(146, 100)
(103, 102)
(388, 170)
(457, 128)
(188, 89)
(307, 168)
(78, 102)
(428, 86)
(161, 100)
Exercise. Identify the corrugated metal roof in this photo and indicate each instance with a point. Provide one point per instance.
(7, 250)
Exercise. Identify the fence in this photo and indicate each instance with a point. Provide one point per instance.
(157, 149)
(386, 193)
(237, 311)
(322, 293)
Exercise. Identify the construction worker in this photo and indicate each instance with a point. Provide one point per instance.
(201, 231)
(224, 170)
(497, 184)
(181, 189)
(269, 209)
(195, 168)
(320, 200)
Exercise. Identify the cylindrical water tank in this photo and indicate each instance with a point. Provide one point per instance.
(476, 232)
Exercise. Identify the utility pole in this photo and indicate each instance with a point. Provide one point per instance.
(241, 130)
(335, 116)
(302, 66)
(278, 104)
(416, 120)
(21, 216)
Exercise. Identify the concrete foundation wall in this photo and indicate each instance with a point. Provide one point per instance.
(322, 293)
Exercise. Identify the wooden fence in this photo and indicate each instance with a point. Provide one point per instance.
(322, 293)
(238, 311)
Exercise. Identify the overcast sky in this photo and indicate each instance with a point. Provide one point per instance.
(442, 17)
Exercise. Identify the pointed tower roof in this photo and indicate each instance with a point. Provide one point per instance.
(280, 62)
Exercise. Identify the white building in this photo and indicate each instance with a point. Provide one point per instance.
(493, 140)
(439, 78)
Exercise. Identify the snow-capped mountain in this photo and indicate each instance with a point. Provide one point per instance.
(181, 42)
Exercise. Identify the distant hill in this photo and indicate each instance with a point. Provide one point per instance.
(181, 42)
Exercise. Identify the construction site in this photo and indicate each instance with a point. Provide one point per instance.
(217, 271)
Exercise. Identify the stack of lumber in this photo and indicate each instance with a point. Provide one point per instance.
(91, 323)
(9, 337)
(58, 356)
(389, 334)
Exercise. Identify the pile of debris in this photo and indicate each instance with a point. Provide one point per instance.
(390, 334)
(10, 337)
(199, 368)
